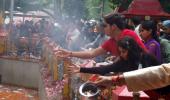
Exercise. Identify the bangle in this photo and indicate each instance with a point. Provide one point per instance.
(116, 80)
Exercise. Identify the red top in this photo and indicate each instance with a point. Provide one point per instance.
(111, 44)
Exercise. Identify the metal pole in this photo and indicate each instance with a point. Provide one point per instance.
(102, 8)
(11, 10)
(3, 7)
(10, 28)
(57, 9)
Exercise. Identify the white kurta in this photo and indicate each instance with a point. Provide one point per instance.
(148, 78)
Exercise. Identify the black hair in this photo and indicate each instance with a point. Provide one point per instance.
(134, 50)
(136, 20)
(150, 25)
(117, 19)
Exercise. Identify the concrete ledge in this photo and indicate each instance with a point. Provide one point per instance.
(21, 73)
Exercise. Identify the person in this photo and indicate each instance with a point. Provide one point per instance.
(148, 32)
(134, 23)
(72, 38)
(114, 27)
(99, 30)
(166, 29)
(136, 20)
(145, 79)
(36, 45)
(22, 46)
(165, 42)
(131, 58)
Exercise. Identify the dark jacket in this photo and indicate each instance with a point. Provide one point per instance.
(122, 65)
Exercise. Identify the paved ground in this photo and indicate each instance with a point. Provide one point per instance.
(8, 92)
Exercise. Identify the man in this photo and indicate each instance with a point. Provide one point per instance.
(166, 29)
(142, 79)
(165, 42)
(114, 27)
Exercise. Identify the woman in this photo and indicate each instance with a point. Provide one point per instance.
(148, 32)
(131, 57)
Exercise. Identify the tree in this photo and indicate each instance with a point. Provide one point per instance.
(94, 8)
(23, 5)
(74, 9)
(123, 4)
(166, 5)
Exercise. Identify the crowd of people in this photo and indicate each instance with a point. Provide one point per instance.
(74, 35)
(25, 36)
(133, 43)
(131, 50)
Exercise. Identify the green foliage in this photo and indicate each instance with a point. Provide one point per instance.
(74, 8)
(107, 8)
(22, 5)
(77, 8)
(114, 3)
(121, 3)
(165, 5)
(94, 8)
(46, 3)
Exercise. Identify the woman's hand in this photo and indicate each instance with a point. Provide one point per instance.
(62, 53)
(73, 69)
(104, 81)
(110, 80)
